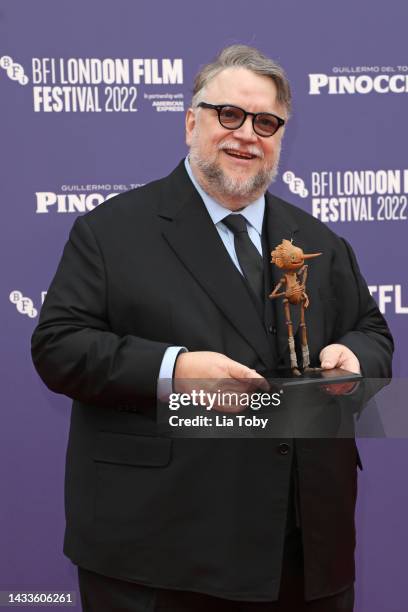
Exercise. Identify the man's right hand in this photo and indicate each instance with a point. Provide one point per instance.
(215, 372)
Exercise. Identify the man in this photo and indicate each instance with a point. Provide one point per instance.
(168, 281)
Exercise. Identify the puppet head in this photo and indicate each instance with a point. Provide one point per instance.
(289, 257)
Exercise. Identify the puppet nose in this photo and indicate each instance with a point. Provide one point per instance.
(311, 255)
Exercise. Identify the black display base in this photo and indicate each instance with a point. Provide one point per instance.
(315, 376)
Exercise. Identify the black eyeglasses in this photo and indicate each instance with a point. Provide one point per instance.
(233, 117)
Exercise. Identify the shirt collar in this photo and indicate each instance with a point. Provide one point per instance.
(253, 211)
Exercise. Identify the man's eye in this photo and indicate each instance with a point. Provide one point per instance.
(266, 122)
(231, 113)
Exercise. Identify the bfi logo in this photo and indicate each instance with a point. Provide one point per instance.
(14, 71)
(25, 305)
(295, 184)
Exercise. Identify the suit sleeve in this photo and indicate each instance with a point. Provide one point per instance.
(73, 348)
(370, 339)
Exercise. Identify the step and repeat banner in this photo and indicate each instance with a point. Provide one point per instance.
(93, 98)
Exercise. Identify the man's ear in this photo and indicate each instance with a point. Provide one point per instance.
(190, 125)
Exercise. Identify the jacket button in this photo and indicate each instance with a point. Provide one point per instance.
(272, 330)
(283, 448)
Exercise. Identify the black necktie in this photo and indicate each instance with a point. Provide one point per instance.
(248, 255)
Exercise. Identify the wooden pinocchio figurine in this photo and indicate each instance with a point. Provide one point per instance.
(291, 260)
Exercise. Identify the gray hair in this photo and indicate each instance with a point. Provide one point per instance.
(242, 56)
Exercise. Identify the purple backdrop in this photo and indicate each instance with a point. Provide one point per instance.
(131, 64)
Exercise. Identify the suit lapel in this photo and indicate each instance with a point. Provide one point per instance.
(190, 232)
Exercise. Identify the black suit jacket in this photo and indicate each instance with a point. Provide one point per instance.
(145, 271)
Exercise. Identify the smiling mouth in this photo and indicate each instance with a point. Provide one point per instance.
(239, 154)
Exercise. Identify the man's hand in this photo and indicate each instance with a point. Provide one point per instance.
(214, 372)
(339, 356)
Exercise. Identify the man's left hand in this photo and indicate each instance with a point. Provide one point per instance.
(339, 356)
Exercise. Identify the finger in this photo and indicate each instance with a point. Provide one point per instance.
(256, 381)
(329, 363)
(330, 357)
(351, 364)
(238, 370)
(251, 377)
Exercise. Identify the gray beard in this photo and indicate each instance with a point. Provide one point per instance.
(220, 183)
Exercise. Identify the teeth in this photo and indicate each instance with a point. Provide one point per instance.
(241, 155)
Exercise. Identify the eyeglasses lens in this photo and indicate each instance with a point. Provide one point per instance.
(266, 125)
(232, 118)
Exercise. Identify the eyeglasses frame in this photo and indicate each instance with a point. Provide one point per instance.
(219, 107)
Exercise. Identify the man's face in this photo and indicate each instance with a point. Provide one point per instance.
(215, 150)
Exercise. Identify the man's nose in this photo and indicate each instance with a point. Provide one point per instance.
(246, 131)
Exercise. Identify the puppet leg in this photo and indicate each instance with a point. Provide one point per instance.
(305, 347)
(291, 340)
